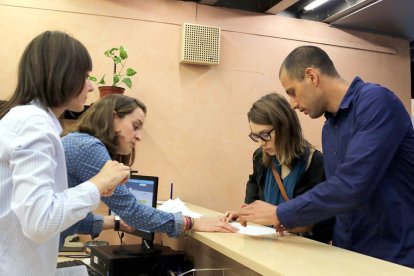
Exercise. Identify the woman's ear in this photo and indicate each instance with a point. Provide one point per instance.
(115, 117)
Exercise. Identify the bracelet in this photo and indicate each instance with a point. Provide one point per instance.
(186, 223)
(191, 223)
(117, 224)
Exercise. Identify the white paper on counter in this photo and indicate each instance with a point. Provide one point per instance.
(254, 230)
(175, 206)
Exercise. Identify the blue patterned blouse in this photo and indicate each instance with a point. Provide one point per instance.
(85, 156)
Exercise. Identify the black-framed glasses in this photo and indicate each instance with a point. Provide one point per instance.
(264, 136)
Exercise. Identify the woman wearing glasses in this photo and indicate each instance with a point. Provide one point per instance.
(285, 165)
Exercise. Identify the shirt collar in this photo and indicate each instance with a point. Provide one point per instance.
(349, 96)
(51, 115)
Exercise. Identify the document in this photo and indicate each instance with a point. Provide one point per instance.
(175, 206)
(253, 230)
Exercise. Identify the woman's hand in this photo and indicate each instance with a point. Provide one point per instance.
(109, 223)
(124, 227)
(206, 224)
(111, 175)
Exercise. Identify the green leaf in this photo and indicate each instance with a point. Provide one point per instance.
(92, 78)
(116, 79)
(130, 72)
(128, 82)
(107, 53)
(102, 81)
(117, 60)
(123, 53)
(112, 50)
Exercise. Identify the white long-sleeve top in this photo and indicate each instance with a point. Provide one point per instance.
(35, 202)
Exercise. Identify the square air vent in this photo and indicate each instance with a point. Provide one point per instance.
(200, 44)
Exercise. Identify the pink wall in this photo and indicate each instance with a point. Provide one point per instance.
(196, 130)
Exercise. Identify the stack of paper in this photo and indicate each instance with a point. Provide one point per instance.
(175, 206)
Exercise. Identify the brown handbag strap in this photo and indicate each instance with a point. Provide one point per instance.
(279, 183)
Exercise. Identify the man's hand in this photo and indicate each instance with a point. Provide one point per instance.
(259, 212)
(229, 216)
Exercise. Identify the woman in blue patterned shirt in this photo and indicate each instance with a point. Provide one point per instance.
(109, 130)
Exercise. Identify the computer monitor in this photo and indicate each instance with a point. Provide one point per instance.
(145, 189)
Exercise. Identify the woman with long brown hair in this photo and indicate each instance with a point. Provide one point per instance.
(109, 130)
(286, 164)
(35, 202)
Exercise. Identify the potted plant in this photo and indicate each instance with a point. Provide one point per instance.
(119, 76)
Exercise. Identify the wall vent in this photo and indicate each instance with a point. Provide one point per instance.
(200, 44)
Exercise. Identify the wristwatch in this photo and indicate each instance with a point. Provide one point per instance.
(117, 223)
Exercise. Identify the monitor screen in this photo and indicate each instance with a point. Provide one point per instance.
(145, 189)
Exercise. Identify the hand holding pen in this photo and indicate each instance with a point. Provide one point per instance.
(259, 212)
(230, 215)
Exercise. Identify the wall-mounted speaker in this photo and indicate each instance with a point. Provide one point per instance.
(200, 44)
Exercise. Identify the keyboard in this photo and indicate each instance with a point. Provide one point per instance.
(91, 271)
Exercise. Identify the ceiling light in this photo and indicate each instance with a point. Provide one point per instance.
(314, 4)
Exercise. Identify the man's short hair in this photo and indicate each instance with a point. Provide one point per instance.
(308, 56)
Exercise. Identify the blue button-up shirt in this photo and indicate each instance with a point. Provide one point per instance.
(368, 148)
(85, 156)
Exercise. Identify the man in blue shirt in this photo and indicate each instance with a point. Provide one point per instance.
(368, 149)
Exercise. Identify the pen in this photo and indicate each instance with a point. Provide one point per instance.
(171, 190)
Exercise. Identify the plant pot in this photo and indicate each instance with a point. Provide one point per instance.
(107, 90)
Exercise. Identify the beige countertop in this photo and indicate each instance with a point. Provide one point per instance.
(293, 255)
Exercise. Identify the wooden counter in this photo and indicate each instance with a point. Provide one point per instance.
(289, 255)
